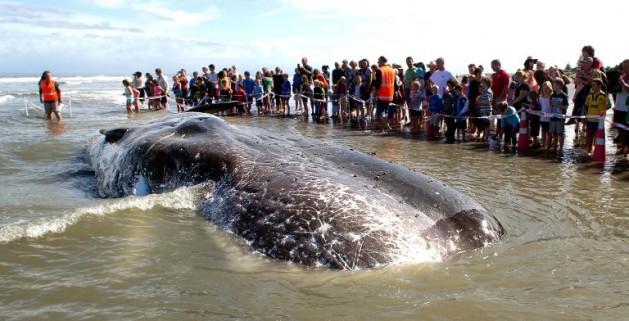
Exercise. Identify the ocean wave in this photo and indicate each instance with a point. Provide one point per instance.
(71, 80)
(5, 98)
(183, 198)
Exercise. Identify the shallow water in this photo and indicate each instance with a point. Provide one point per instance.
(66, 254)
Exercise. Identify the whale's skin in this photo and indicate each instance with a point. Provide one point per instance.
(294, 198)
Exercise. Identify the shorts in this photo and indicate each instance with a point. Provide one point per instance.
(51, 106)
(557, 126)
(482, 123)
(381, 106)
(620, 117)
(545, 125)
(592, 126)
(416, 113)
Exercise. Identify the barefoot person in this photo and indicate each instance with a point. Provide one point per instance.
(50, 95)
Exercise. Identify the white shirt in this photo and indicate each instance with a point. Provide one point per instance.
(162, 83)
(622, 100)
(440, 78)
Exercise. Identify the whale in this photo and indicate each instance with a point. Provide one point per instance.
(293, 198)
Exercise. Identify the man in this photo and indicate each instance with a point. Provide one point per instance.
(162, 83)
(337, 73)
(213, 76)
(441, 76)
(499, 82)
(347, 72)
(588, 51)
(138, 83)
(385, 82)
(50, 95)
(305, 68)
(409, 76)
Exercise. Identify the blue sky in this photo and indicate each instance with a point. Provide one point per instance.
(121, 36)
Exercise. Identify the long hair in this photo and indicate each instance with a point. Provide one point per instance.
(43, 75)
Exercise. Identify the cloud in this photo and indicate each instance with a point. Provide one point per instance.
(163, 11)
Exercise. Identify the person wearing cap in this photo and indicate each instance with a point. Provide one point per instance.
(529, 63)
(596, 104)
(138, 83)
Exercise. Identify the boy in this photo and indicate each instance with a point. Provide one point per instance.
(258, 94)
(320, 103)
(461, 106)
(484, 101)
(248, 85)
(558, 105)
(241, 97)
(285, 95)
(435, 108)
(596, 103)
(510, 122)
(448, 110)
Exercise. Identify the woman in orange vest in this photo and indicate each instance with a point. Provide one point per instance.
(50, 95)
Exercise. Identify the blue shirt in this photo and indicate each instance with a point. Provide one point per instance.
(297, 81)
(286, 88)
(435, 104)
(258, 91)
(248, 84)
(510, 117)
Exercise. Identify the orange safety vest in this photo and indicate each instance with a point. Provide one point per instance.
(49, 91)
(385, 92)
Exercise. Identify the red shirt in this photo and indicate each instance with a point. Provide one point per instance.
(500, 84)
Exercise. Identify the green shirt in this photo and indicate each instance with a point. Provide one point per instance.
(266, 84)
(409, 76)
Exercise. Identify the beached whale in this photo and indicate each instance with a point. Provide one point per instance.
(292, 198)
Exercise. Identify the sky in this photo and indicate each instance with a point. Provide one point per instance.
(100, 37)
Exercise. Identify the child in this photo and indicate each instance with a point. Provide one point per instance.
(341, 92)
(449, 110)
(417, 96)
(177, 90)
(241, 97)
(258, 94)
(510, 122)
(286, 88)
(306, 94)
(320, 103)
(128, 93)
(297, 91)
(461, 105)
(559, 105)
(157, 94)
(435, 108)
(596, 103)
(544, 102)
(484, 101)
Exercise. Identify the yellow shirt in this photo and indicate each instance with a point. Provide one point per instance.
(596, 104)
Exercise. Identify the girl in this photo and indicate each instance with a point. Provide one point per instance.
(157, 94)
(297, 91)
(306, 94)
(544, 102)
(178, 91)
(320, 102)
(128, 93)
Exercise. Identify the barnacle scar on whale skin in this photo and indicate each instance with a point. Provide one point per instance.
(294, 199)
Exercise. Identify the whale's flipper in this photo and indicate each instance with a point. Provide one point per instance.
(113, 135)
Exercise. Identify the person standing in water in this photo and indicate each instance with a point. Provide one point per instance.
(50, 95)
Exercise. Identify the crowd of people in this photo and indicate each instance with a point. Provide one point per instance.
(428, 98)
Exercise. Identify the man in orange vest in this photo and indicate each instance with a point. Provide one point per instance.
(384, 85)
(50, 95)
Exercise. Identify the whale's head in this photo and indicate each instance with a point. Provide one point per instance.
(183, 150)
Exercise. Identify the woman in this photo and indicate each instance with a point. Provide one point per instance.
(529, 73)
(50, 95)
